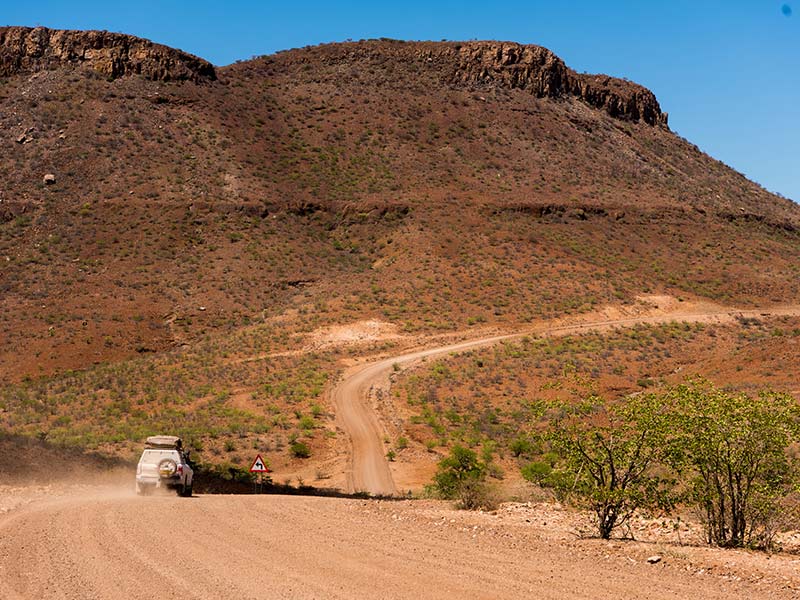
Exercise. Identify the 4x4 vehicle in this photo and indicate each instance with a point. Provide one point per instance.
(164, 464)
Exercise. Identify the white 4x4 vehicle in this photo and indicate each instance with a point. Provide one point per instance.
(164, 464)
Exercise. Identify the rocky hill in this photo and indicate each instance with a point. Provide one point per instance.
(431, 185)
(25, 49)
(507, 65)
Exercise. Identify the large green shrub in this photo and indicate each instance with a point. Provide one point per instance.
(455, 470)
(733, 449)
(606, 457)
(462, 477)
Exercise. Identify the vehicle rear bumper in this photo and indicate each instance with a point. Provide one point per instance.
(168, 482)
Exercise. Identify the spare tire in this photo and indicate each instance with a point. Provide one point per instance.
(167, 468)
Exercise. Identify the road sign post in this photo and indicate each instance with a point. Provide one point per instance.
(259, 467)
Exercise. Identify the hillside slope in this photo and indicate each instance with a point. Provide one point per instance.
(431, 185)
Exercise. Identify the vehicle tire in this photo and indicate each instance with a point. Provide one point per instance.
(186, 492)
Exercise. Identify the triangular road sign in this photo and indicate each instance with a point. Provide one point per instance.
(259, 466)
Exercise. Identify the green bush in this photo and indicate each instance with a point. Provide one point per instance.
(537, 471)
(520, 446)
(606, 457)
(225, 471)
(462, 465)
(476, 494)
(735, 450)
(300, 450)
(729, 455)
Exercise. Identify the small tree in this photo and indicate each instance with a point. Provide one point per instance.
(455, 470)
(606, 458)
(735, 449)
(462, 477)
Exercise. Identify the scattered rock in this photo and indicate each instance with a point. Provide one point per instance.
(654, 559)
(49, 179)
(26, 136)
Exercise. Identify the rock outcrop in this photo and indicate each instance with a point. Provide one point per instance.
(23, 49)
(503, 64)
(541, 72)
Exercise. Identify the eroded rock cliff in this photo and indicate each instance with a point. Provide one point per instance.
(544, 74)
(503, 64)
(24, 49)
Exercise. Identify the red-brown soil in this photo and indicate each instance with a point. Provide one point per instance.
(220, 249)
(429, 185)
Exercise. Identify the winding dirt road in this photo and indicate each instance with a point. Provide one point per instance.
(73, 542)
(354, 397)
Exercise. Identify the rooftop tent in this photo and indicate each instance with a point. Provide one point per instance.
(163, 441)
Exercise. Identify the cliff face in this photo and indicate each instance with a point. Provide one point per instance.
(114, 55)
(541, 72)
(506, 64)
(502, 64)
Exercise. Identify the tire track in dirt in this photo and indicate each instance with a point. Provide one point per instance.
(100, 545)
(367, 469)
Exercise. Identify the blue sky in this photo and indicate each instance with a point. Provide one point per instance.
(727, 72)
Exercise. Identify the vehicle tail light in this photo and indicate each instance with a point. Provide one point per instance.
(180, 470)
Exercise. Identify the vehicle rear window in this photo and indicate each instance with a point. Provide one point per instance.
(153, 457)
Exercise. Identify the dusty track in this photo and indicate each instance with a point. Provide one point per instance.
(354, 397)
(110, 544)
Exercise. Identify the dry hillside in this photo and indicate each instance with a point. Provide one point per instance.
(350, 258)
(209, 235)
(433, 185)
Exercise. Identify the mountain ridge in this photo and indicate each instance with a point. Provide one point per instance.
(432, 185)
(477, 63)
(511, 65)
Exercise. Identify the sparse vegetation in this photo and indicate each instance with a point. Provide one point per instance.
(300, 450)
(274, 194)
(462, 477)
(197, 237)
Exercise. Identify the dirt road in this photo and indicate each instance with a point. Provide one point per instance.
(98, 542)
(106, 543)
(356, 394)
